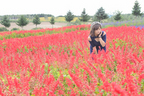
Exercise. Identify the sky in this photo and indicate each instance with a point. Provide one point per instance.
(61, 7)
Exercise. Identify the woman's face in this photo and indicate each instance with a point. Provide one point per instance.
(98, 31)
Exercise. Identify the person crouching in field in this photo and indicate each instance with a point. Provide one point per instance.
(97, 38)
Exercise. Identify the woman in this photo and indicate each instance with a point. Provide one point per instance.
(97, 38)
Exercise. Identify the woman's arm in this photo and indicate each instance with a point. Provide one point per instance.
(91, 45)
(103, 40)
(90, 41)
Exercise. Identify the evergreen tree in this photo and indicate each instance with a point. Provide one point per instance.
(136, 9)
(69, 17)
(36, 20)
(84, 17)
(52, 21)
(22, 21)
(118, 16)
(5, 21)
(100, 15)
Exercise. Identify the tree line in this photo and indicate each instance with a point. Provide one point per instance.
(99, 16)
(30, 16)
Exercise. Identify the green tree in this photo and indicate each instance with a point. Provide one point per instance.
(118, 16)
(52, 21)
(5, 21)
(100, 15)
(84, 17)
(69, 17)
(136, 9)
(22, 21)
(36, 20)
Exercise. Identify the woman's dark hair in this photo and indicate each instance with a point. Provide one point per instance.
(94, 27)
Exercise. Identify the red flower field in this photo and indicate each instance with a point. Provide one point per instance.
(60, 64)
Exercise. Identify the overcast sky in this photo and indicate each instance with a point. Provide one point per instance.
(61, 7)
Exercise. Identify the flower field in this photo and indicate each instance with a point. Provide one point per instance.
(58, 19)
(27, 33)
(57, 62)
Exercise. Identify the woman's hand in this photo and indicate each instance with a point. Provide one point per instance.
(100, 35)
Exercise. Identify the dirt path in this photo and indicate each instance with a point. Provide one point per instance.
(31, 25)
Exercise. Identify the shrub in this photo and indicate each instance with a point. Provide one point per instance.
(77, 22)
(3, 29)
(36, 28)
(13, 29)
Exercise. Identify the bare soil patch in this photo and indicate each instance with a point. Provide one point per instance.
(31, 25)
